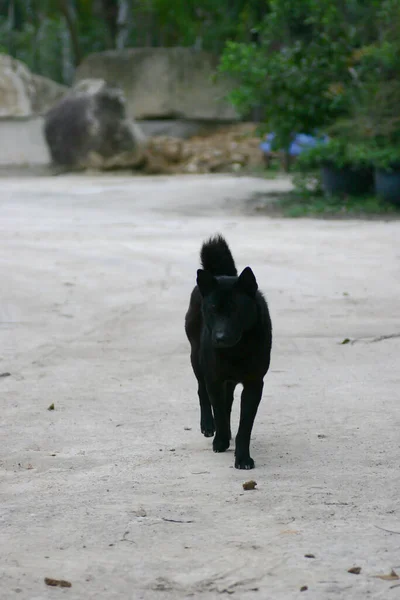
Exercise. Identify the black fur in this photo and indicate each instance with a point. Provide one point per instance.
(230, 333)
(216, 257)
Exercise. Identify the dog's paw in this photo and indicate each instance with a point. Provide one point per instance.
(207, 431)
(220, 444)
(207, 427)
(245, 462)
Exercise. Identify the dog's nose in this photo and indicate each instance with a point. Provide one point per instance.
(220, 337)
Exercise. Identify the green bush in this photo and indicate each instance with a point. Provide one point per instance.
(298, 71)
(338, 153)
(373, 92)
(387, 158)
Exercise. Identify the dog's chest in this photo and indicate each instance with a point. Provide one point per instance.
(238, 368)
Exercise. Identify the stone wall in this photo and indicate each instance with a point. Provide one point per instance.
(22, 142)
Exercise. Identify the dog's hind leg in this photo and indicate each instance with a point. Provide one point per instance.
(229, 392)
(251, 396)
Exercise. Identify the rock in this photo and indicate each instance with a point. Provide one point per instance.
(173, 150)
(23, 94)
(164, 155)
(22, 143)
(178, 128)
(47, 93)
(16, 88)
(163, 82)
(231, 149)
(89, 128)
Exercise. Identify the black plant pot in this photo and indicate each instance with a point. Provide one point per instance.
(387, 185)
(347, 180)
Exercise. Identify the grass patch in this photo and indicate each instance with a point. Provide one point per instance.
(308, 200)
(296, 205)
(316, 205)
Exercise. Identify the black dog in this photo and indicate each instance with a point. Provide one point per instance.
(230, 333)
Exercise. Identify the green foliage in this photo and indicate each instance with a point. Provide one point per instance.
(307, 200)
(194, 22)
(292, 74)
(312, 205)
(373, 93)
(39, 33)
(386, 158)
(38, 47)
(323, 65)
(336, 152)
(332, 67)
(330, 153)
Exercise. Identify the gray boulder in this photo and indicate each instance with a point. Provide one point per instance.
(89, 128)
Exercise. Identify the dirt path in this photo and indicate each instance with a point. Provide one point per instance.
(115, 490)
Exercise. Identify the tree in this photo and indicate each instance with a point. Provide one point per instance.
(53, 36)
(67, 10)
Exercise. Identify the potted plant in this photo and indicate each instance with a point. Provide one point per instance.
(344, 168)
(387, 173)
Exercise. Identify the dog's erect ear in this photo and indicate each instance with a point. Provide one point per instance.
(205, 281)
(247, 282)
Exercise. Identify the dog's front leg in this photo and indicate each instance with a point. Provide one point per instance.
(216, 392)
(206, 417)
(251, 396)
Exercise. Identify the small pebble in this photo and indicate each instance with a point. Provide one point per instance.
(355, 570)
(250, 485)
(57, 582)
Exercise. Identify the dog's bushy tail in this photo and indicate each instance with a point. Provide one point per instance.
(217, 258)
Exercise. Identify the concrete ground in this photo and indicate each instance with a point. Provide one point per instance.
(115, 490)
